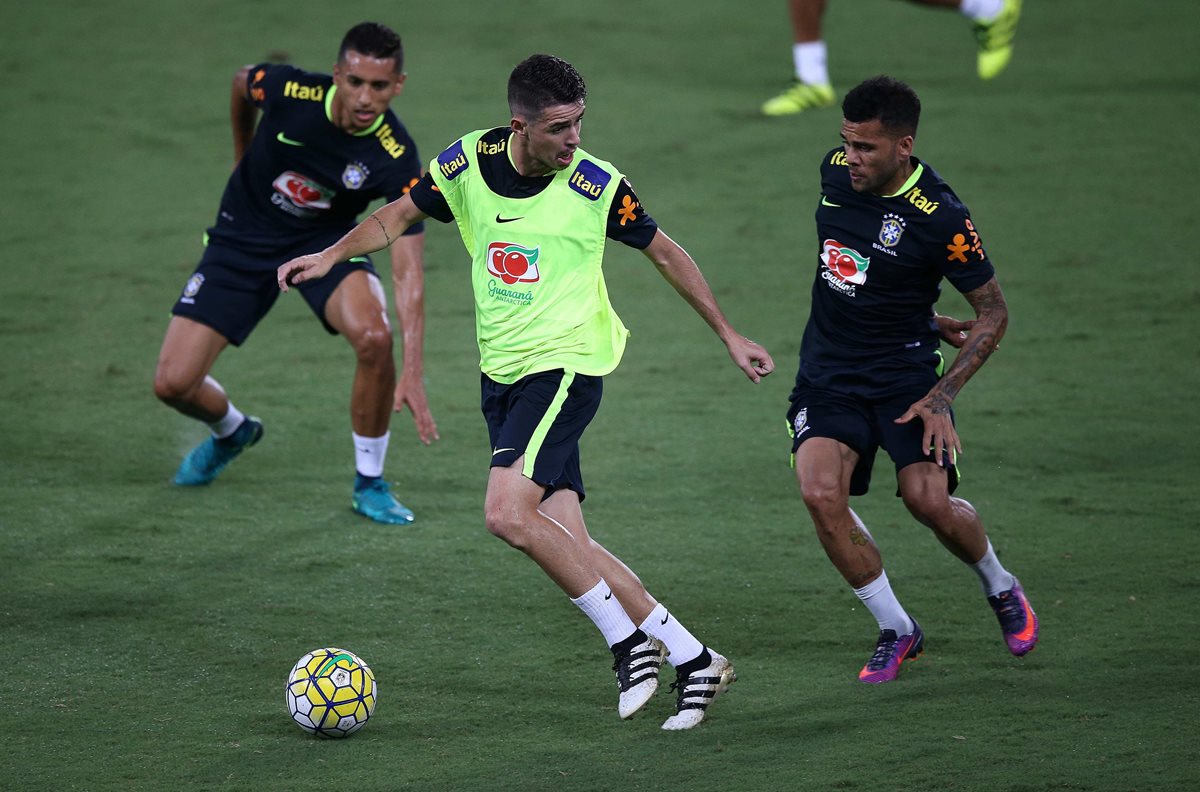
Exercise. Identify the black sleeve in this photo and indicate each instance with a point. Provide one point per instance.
(266, 80)
(429, 199)
(628, 222)
(963, 260)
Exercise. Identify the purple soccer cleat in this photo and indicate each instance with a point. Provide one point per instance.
(890, 652)
(1018, 622)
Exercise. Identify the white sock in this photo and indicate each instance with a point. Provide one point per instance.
(606, 613)
(879, 599)
(369, 453)
(228, 425)
(680, 643)
(809, 59)
(981, 10)
(992, 575)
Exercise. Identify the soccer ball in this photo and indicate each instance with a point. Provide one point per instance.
(331, 693)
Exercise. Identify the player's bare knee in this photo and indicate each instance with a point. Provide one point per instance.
(929, 508)
(172, 389)
(504, 525)
(822, 497)
(373, 344)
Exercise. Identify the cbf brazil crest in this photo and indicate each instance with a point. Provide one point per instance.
(355, 175)
(891, 230)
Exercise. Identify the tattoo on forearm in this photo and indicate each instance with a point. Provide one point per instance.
(382, 228)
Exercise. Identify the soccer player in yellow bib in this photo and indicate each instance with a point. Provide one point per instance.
(534, 211)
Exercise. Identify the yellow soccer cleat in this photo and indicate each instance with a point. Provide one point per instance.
(995, 39)
(800, 96)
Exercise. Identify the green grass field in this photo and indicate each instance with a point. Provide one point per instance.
(145, 632)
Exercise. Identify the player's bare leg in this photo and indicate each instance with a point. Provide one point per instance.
(957, 525)
(182, 381)
(563, 507)
(823, 470)
(357, 309)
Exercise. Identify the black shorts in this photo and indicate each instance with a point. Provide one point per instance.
(231, 290)
(541, 416)
(866, 425)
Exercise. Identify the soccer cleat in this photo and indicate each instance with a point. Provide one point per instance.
(637, 673)
(373, 499)
(204, 462)
(798, 97)
(995, 38)
(698, 689)
(890, 652)
(1018, 622)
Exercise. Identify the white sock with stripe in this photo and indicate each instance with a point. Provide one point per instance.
(682, 645)
(369, 453)
(606, 613)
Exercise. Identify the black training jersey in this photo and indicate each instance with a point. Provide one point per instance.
(303, 178)
(880, 262)
(628, 222)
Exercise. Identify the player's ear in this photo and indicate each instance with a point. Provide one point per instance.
(400, 78)
(905, 146)
(518, 125)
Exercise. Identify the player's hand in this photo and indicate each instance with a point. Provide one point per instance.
(410, 393)
(304, 268)
(952, 330)
(940, 437)
(751, 358)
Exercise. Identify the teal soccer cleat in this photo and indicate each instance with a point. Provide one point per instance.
(373, 499)
(204, 462)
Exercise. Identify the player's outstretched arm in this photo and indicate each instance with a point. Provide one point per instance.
(680, 270)
(408, 283)
(991, 320)
(381, 228)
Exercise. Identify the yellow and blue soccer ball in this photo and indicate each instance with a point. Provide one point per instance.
(331, 693)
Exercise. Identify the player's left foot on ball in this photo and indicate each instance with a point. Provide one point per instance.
(373, 499)
(636, 661)
(995, 38)
(1018, 622)
(699, 682)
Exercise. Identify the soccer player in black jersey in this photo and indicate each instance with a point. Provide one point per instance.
(871, 376)
(324, 148)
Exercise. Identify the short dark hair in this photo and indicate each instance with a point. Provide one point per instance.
(542, 81)
(374, 40)
(894, 103)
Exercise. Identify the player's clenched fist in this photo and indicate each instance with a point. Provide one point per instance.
(304, 268)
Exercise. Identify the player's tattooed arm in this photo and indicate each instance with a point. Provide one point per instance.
(991, 321)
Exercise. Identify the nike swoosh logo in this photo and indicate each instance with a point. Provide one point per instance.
(500, 219)
(608, 596)
(502, 450)
(664, 620)
(332, 662)
(826, 202)
(282, 138)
